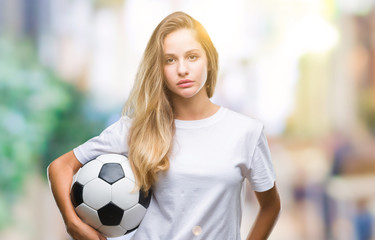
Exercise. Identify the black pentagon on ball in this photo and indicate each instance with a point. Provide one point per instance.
(143, 199)
(110, 214)
(111, 172)
(76, 194)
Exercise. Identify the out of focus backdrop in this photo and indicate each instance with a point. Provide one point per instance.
(306, 68)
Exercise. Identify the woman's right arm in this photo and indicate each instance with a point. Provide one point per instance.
(60, 175)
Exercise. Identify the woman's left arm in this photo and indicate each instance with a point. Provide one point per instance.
(269, 202)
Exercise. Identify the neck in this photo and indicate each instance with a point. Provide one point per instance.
(194, 108)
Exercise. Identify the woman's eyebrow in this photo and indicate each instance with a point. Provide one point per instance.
(187, 52)
(169, 55)
(192, 50)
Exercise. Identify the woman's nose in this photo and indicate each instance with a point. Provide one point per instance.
(182, 69)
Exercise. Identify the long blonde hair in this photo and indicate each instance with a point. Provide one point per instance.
(152, 129)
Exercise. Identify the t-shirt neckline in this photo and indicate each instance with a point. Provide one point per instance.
(204, 122)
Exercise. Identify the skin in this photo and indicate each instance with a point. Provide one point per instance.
(269, 203)
(184, 59)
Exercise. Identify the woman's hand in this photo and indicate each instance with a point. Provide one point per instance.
(81, 231)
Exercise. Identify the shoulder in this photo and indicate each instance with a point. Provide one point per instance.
(126, 120)
(119, 126)
(246, 129)
(242, 121)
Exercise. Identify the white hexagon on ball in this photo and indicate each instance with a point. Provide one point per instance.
(112, 231)
(133, 217)
(89, 172)
(90, 215)
(91, 196)
(122, 194)
(127, 170)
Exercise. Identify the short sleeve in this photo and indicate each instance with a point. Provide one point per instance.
(112, 140)
(261, 171)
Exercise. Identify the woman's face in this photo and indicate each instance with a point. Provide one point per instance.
(185, 64)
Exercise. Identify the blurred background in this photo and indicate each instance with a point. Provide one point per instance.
(306, 68)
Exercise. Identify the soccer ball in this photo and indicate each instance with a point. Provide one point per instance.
(102, 196)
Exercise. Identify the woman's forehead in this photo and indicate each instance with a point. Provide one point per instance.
(181, 40)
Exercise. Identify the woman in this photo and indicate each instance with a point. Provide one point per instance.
(193, 153)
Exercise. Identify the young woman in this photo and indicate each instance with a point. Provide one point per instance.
(193, 153)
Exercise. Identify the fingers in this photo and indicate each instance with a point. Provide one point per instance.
(85, 232)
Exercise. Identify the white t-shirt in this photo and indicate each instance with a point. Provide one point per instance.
(199, 197)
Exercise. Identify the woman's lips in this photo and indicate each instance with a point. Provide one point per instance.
(185, 83)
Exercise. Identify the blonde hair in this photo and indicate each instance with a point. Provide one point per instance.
(152, 129)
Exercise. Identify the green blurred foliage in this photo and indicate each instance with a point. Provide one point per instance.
(41, 118)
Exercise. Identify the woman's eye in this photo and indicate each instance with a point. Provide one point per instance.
(193, 57)
(169, 60)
